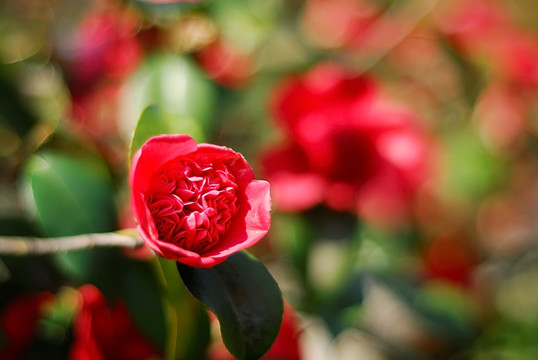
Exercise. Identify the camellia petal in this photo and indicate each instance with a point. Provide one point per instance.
(197, 203)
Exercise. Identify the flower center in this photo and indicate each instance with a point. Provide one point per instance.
(192, 202)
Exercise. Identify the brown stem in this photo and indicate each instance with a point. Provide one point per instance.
(21, 246)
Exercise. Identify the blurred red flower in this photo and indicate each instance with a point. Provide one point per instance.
(336, 23)
(500, 115)
(96, 111)
(96, 55)
(450, 258)
(483, 31)
(102, 45)
(197, 203)
(346, 147)
(226, 64)
(18, 321)
(102, 331)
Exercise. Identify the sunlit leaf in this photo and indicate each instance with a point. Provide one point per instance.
(156, 121)
(176, 85)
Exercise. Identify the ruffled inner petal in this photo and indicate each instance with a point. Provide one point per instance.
(192, 202)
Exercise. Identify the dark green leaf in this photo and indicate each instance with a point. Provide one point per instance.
(244, 297)
(14, 114)
(71, 195)
(145, 298)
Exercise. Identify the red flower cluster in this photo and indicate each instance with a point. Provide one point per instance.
(96, 55)
(483, 30)
(197, 203)
(102, 331)
(102, 45)
(226, 64)
(18, 324)
(346, 146)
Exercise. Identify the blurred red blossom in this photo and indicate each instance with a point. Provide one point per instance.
(103, 45)
(96, 111)
(19, 320)
(103, 331)
(197, 203)
(336, 23)
(501, 114)
(226, 64)
(451, 258)
(346, 146)
(96, 55)
(482, 30)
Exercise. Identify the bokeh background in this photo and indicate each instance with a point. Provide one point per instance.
(399, 138)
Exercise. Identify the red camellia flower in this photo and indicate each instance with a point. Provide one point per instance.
(346, 147)
(102, 331)
(196, 203)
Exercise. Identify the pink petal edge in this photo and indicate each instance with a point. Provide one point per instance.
(256, 224)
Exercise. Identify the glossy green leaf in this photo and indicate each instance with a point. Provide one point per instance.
(244, 297)
(145, 297)
(156, 121)
(176, 85)
(71, 195)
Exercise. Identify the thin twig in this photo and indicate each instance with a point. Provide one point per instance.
(20, 246)
(413, 13)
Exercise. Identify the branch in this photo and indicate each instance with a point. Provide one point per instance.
(410, 15)
(20, 246)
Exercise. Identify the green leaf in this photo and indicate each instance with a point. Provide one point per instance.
(14, 112)
(188, 334)
(244, 297)
(176, 85)
(472, 171)
(144, 297)
(446, 310)
(70, 195)
(156, 121)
